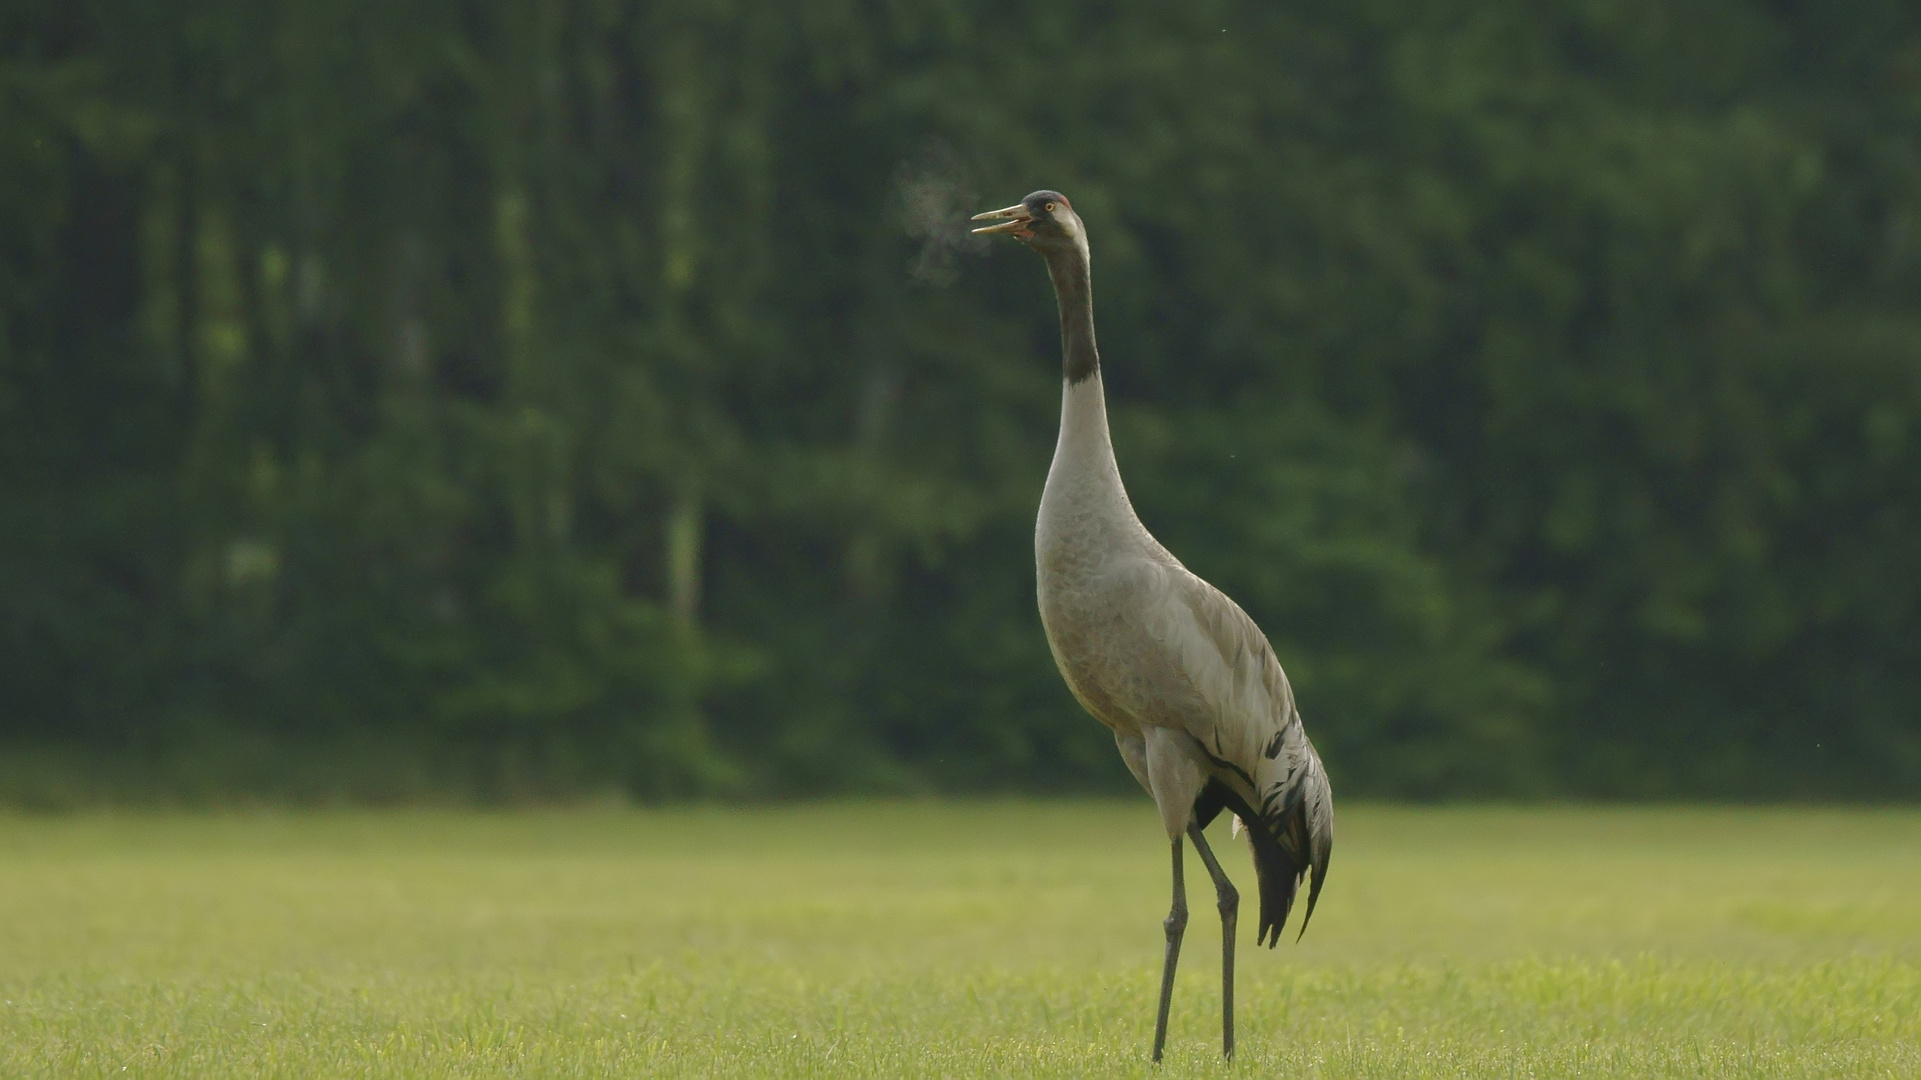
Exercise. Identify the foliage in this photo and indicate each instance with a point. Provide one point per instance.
(582, 395)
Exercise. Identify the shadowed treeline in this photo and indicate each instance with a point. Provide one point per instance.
(528, 398)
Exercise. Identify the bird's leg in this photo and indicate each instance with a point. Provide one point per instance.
(1229, 901)
(1176, 924)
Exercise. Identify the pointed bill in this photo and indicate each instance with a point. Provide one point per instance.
(1011, 219)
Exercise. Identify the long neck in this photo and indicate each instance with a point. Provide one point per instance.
(1084, 438)
(1085, 498)
(1074, 289)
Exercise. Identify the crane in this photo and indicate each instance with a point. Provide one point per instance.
(1200, 709)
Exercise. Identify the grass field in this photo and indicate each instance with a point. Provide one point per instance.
(925, 939)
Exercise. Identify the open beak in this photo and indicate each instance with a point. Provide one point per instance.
(1013, 220)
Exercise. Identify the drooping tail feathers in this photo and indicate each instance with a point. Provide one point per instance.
(1292, 840)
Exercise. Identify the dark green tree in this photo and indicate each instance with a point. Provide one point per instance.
(527, 399)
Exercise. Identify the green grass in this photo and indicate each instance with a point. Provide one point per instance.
(950, 939)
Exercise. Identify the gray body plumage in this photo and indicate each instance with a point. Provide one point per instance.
(1179, 673)
(1197, 702)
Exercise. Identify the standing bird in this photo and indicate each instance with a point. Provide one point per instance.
(1197, 702)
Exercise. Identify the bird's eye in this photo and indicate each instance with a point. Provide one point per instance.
(1050, 208)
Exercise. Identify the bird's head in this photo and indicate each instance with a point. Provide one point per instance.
(1044, 221)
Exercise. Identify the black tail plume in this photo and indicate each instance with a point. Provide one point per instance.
(1286, 848)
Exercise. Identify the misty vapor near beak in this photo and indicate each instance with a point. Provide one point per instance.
(934, 196)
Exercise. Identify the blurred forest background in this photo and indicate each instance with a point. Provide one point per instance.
(511, 400)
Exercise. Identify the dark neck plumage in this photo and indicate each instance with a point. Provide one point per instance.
(1074, 289)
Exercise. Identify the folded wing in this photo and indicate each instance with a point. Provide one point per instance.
(1244, 718)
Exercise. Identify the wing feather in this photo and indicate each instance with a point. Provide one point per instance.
(1247, 722)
